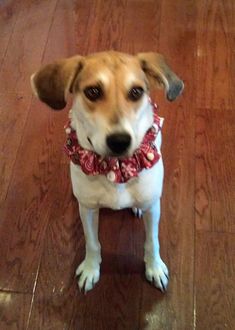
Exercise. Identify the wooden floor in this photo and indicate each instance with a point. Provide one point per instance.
(41, 238)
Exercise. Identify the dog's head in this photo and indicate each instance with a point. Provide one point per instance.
(110, 91)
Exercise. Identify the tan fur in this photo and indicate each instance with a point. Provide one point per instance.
(115, 72)
(111, 71)
(160, 74)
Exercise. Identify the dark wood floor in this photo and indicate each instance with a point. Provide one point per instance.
(41, 238)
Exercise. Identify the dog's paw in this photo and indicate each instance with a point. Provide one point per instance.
(158, 275)
(88, 275)
(137, 212)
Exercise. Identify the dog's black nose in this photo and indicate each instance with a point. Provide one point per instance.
(118, 142)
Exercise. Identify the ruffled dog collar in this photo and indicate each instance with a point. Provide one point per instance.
(117, 170)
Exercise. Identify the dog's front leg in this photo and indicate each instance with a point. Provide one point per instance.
(155, 270)
(89, 270)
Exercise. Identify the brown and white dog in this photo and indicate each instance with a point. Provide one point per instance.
(111, 114)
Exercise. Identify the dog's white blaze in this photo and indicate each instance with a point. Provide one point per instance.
(103, 77)
(130, 80)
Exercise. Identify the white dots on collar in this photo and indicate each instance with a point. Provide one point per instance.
(150, 156)
(111, 176)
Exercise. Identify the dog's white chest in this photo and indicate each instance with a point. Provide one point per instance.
(98, 191)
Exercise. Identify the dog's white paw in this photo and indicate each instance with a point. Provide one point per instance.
(137, 212)
(88, 274)
(157, 274)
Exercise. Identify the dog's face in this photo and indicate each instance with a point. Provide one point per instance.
(111, 95)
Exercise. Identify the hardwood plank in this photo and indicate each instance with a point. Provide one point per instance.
(85, 21)
(141, 28)
(116, 297)
(112, 25)
(105, 25)
(14, 310)
(61, 40)
(28, 202)
(57, 299)
(49, 298)
(215, 54)
(26, 46)
(175, 309)
(117, 30)
(8, 16)
(214, 281)
(56, 286)
(13, 114)
(215, 168)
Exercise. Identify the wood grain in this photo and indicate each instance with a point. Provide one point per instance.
(215, 168)
(119, 290)
(214, 281)
(175, 310)
(8, 15)
(215, 54)
(56, 286)
(141, 28)
(104, 24)
(14, 310)
(63, 28)
(29, 196)
(13, 115)
(26, 45)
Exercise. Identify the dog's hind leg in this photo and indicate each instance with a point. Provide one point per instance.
(89, 270)
(155, 270)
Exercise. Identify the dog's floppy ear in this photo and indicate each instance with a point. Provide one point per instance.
(160, 75)
(52, 83)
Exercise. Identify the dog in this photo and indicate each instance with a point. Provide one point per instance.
(113, 142)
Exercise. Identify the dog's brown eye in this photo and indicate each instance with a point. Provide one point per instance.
(93, 93)
(135, 93)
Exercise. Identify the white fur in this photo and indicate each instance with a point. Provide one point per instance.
(96, 127)
(95, 192)
(98, 191)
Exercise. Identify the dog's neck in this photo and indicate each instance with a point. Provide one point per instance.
(115, 169)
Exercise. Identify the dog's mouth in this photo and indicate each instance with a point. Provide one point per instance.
(89, 140)
(119, 156)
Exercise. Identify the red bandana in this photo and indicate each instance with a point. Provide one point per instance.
(115, 169)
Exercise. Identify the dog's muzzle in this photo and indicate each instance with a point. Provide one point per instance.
(118, 143)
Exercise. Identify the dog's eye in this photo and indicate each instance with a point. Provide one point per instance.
(93, 93)
(135, 93)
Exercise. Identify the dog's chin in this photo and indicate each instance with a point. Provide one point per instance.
(127, 154)
(119, 156)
